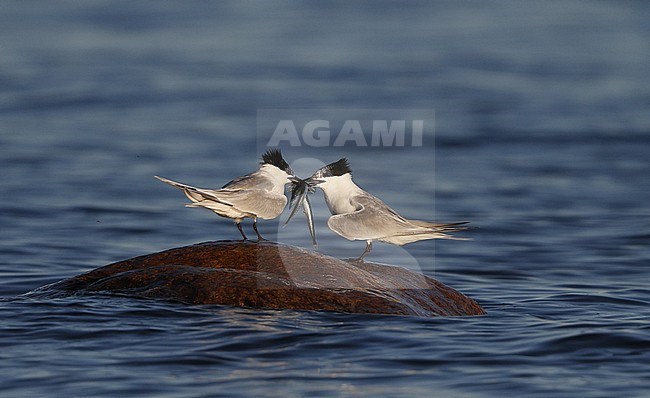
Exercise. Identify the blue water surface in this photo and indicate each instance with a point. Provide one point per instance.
(542, 141)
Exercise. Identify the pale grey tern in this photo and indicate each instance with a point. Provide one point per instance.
(358, 215)
(256, 195)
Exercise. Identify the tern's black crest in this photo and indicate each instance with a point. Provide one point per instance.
(338, 168)
(274, 157)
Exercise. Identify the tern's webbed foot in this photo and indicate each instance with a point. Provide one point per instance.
(354, 260)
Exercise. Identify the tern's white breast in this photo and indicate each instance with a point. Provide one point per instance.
(338, 191)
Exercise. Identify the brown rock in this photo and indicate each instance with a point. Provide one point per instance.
(275, 276)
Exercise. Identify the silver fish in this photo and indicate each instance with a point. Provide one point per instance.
(300, 190)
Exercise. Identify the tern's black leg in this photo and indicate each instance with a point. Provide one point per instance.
(259, 237)
(241, 231)
(365, 252)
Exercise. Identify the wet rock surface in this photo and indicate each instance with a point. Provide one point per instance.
(274, 276)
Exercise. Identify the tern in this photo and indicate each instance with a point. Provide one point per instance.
(358, 215)
(256, 195)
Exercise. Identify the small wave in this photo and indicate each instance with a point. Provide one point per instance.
(596, 299)
(589, 344)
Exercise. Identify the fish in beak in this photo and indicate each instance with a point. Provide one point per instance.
(300, 190)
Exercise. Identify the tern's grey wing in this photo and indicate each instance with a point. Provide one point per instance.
(373, 219)
(250, 181)
(443, 227)
(263, 204)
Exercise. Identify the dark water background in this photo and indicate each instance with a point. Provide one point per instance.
(542, 140)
